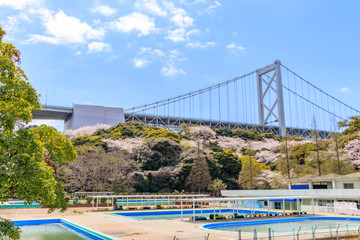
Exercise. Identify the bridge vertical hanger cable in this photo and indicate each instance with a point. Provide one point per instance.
(236, 95)
(302, 102)
(168, 110)
(210, 105)
(323, 113)
(219, 103)
(228, 102)
(246, 98)
(193, 106)
(201, 106)
(243, 100)
(184, 106)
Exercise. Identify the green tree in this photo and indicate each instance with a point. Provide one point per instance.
(230, 164)
(8, 230)
(314, 134)
(352, 125)
(28, 156)
(284, 163)
(199, 177)
(250, 171)
(216, 186)
(335, 137)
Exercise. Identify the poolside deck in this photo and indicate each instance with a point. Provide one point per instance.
(126, 228)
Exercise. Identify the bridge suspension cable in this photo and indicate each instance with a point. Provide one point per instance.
(234, 101)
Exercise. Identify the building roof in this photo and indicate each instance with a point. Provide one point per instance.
(328, 177)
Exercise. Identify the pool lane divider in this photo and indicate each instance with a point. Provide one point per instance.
(93, 234)
(214, 226)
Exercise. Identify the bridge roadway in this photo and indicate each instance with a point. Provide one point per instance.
(65, 113)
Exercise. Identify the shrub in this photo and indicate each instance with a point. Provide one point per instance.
(75, 200)
(8, 230)
(103, 200)
(89, 199)
(163, 133)
(67, 198)
(157, 153)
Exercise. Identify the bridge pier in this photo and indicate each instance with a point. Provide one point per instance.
(89, 115)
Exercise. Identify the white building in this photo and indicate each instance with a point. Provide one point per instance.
(335, 192)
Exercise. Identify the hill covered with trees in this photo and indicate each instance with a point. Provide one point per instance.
(134, 157)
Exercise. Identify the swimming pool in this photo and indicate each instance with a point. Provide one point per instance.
(171, 214)
(19, 204)
(54, 231)
(286, 226)
(57, 229)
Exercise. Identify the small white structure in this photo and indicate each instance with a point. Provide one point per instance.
(331, 189)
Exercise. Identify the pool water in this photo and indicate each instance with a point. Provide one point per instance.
(54, 231)
(286, 226)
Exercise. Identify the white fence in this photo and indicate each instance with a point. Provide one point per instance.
(325, 209)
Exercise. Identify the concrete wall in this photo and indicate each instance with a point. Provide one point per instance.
(340, 183)
(88, 115)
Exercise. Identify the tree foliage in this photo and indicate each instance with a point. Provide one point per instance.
(216, 186)
(199, 177)
(163, 133)
(28, 156)
(8, 231)
(251, 170)
(157, 153)
(352, 125)
(230, 163)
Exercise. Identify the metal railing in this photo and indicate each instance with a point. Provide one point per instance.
(331, 234)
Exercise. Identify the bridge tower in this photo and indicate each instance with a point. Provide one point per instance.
(269, 80)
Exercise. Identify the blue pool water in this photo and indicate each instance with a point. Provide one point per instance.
(161, 215)
(55, 231)
(286, 226)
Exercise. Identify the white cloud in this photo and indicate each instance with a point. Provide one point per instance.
(235, 49)
(196, 44)
(179, 16)
(186, 2)
(20, 4)
(177, 35)
(104, 10)
(150, 6)
(170, 70)
(134, 22)
(98, 47)
(170, 60)
(140, 62)
(211, 8)
(345, 89)
(78, 53)
(96, 21)
(64, 29)
(151, 52)
(13, 24)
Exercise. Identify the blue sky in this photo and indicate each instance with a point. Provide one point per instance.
(126, 53)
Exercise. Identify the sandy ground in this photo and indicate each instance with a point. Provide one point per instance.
(118, 226)
(123, 227)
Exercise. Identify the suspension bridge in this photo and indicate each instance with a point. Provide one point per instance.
(272, 99)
